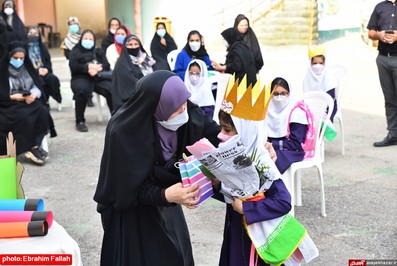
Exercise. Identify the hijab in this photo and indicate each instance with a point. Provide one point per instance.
(72, 38)
(124, 164)
(126, 73)
(201, 52)
(202, 91)
(15, 27)
(109, 38)
(252, 41)
(34, 50)
(119, 46)
(323, 82)
(276, 121)
(159, 51)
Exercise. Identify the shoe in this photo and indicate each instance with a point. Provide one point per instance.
(90, 103)
(388, 141)
(35, 156)
(44, 153)
(81, 127)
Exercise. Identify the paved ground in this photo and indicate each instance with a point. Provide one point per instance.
(361, 187)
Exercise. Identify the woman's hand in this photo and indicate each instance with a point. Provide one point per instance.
(237, 205)
(217, 66)
(187, 196)
(30, 98)
(43, 71)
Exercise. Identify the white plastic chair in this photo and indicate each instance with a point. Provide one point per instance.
(317, 102)
(340, 73)
(171, 58)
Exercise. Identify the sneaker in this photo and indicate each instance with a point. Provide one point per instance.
(35, 156)
(90, 103)
(81, 127)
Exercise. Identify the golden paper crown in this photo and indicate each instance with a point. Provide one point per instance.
(248, 103)
(316, 50)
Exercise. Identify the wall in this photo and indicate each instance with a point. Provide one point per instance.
(91, 15)
(40, 11)
(123, 10)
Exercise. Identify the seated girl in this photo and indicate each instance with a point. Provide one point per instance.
(285, 126)
(197, 82)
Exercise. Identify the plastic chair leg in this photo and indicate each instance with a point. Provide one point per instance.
(99, 107)
(298, 188)
(322, 190)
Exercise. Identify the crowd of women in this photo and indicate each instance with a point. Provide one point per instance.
(139, 191)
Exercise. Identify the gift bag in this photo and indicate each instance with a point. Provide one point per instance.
(8, 171)
(282, 240)
(191, 173)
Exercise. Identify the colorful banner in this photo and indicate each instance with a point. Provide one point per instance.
(22, 205)
(26, 216)
(23, 229)
(8, 180)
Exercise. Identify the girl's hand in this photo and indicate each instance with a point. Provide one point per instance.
(272, 152)
(30, 98)
(237, 205)
(187, 196)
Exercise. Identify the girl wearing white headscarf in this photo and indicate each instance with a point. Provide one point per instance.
(317, 78)
(197, 82)
(288, 145)
(73, 36)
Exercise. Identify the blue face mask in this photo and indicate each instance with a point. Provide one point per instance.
(74, 28)
(87, 44)
(17, 63)
(120, 39)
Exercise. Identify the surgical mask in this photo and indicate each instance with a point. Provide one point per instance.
(33, 38)
(194, 79)
(112, 31)
(74, 28)
(195, 46)
(176, 122)
(223, 137)
(280, 101)
(161, 32)
(225, 43)
(318, 69)
(17, 63)
(120, 38)
(9, 11)
(87, 44)
(133, 51)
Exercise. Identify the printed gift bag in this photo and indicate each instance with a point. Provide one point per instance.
(191, 173)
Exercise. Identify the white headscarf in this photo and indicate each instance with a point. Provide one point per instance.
(276, 121)
(202, 91)
(323, 82)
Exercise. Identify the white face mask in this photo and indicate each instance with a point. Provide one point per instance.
(225, 43)
(9, 11)
(112, 31)
(176, 122)
(195, 46)
(161, 32)
(318, 69)
(280, 102)
(194, 79)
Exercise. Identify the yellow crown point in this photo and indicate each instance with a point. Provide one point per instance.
(248, 103)
(316, 50)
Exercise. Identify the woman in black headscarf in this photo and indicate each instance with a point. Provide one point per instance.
(139, 191)
(239, 58)
(15, 27)
(242, 24)
(133, 64)
(41, 59)
(113, 25)
(22, 110)
(194, 49)
(162, 43)
(86, 64)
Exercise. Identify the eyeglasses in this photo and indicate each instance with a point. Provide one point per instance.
(197, 74)
(283, 95)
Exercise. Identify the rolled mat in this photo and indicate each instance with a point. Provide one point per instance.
(23, 229)
(22, 205)
(26, 216)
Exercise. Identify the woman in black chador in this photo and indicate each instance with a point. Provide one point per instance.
(139, 191)
(86, 65)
